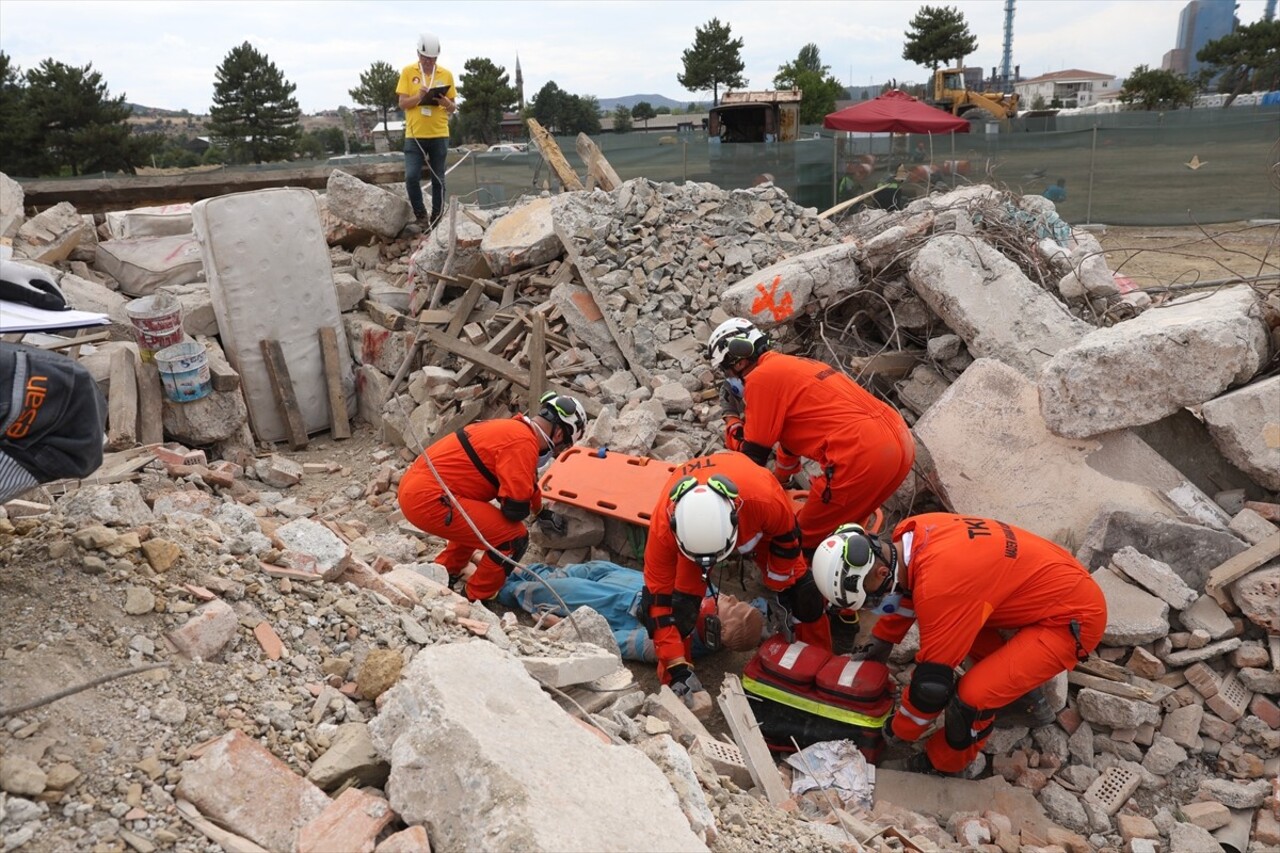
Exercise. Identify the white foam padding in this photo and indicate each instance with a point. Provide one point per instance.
(142, 264)
(170, 220)
(269, 274)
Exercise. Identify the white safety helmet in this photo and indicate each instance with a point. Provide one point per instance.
(734, 339)
(566, 412)
(704, 518)
(428, 45)
(841, 564)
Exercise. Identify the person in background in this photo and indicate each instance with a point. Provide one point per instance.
(487, 461)
(614, 592)
(1057, 192)
(1021, 607)
(426, 125)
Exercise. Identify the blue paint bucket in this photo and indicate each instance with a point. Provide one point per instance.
(184, 371)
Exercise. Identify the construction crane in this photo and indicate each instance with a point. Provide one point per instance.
(1006, 59)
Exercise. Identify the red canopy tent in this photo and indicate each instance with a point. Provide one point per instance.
(894, 112)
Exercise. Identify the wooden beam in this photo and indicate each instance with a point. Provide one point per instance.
(589, 282)
(606, 178)
(537, 358)
(122, 408)
(462, 312)
(746, 734)
(500, 366)
(553, 156)
(494, 345)
(1240, 565)
(340, 422)
(150, 403)
(282, 384)
(80, 339)
(435, 316)
(1106, 685)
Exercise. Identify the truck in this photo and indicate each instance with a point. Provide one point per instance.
(951, 93)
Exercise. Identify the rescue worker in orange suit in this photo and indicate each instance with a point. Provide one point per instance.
(1022, 608)
(465, 471)
(809, 409)
(709, 508)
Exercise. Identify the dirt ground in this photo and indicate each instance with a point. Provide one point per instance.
(1163, 256)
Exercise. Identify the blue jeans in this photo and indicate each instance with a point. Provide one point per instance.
(431, 154)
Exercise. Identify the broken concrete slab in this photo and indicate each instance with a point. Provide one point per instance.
(442, 729)
(584, 317)
(985, 299)
(522, 238)
(1154, 576)
(198, 317)
(1135, 372)
(1115, 712)
(985, 433)
(1205, 614)
(11, 209)
(317, 540)
(1134, 616)
(217, 416)
(940, 797)
(51, 235)
(366, 205)
(145, 264)
(241, 786)
(1191, 550)
(774, 294)
(1246, 428)
(584, 663)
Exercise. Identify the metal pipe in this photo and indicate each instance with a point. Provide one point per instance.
(1234, 837)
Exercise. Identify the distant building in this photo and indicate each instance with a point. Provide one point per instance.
(664, 123)
(1200, 22)
(1071, 88)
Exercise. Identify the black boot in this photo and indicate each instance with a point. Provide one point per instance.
(1031, 709)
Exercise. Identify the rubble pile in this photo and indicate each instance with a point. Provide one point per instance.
(316, 659)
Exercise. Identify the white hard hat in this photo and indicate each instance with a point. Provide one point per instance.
(733, 339)
(704, 518)
(428, 45)
(841, 564)
(565, 411)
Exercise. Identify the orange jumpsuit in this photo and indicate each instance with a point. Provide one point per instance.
(973, 581)
(815, 411)
(508, 451)
(766, 528)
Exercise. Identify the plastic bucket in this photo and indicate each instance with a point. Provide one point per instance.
(184, 371)
(157, 323)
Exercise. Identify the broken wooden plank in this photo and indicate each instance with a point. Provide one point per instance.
(1240, 565)
(79, 340)
(537, 358)
(1104, 669)
(435, 316)
(282, 384)
(462, 312)
(494, 345)
(499, 366)
(746, 734)
(553, 156)
(339, 420)
(890, 365)
(606, 178)
(589, 282)
(122, 407)
(150, 402)
(1106, 685)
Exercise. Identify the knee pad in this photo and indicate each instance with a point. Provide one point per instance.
(961, 728)
(807, 603)
(685, 608)
(509, 551)
(932, 686)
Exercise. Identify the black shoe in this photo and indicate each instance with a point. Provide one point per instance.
(918, 762)
(1031, 709)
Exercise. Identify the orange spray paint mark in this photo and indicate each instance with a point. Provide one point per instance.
(766, 302)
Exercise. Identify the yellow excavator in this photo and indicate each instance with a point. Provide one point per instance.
(950, 93)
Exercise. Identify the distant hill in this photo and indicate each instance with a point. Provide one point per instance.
(608, 105)
(155, 112)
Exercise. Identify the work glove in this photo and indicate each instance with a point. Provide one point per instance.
(731, 401)
(552, 523)
(733, 432)
(30, 286)
(876, 650)
(685, 683)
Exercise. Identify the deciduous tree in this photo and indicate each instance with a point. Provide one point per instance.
(564, 114)
(254, 113)
(487, 93)
(1247, 58)
(811, 77)
(715, 60)
(938, 34)
(377, 91)
(1154, 88)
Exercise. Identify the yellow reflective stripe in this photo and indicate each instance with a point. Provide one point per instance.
(809, 706)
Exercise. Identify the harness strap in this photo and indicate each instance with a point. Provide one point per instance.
(470, 450)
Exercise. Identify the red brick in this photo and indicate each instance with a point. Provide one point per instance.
(1203, 679)
(1267, 830)
(350, 823)
(1069, 719)
(269, 640)
(411, 840)
(1266, 710)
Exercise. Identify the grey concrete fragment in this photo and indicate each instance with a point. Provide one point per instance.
(1182, 726)
(443, 729)
(1138, 371)
(1115, 712)
(119, 505)
(1062, 485)
(1251, 526)
(522, 238)
(1191, 550)
(586, 663)
(821, 274)
(1189, 838)
(985, 299)
(1163, 756)
(350, 755)
(1064, 807)
(218, 416)
(52, 235)
(585, 318)
(675, 764)
(1154, 576)
(365, 205)
(1245, 425)
(310, 537)
(1257, 595)
(1205, 614)
(586, 626)
(1236, 795)
(1209, 652)
(207, 632)
(1133, 615)
(11, 206)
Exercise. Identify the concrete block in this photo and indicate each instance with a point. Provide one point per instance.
(365, 205)
(1133, 615)
(350, 755)
(1206, 815)
(1206, 614)
(1189, 838)
(1154, 576)
(317, 541)
(523, 238)
(1114, 712)
(1209, 652)
(1251, 526)
(1245, 424)
(817, 274)
(51, 235)
(585, 663)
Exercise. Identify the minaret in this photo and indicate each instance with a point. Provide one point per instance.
(519, 83)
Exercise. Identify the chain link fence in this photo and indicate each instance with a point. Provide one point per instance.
(1127, 168)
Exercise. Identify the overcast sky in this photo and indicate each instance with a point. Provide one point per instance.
(164, 54)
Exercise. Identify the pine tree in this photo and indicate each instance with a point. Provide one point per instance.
(254, 113)
(377, 90)
(487, 94)
(715, 60)
(938, 34)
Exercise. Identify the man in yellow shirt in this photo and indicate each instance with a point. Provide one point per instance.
(427, 97)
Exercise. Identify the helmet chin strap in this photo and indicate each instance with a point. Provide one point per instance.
(551, 445)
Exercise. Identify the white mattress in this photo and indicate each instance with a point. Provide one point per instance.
(267, 264)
